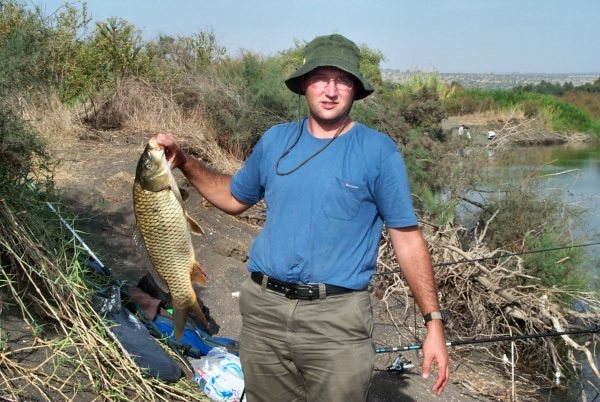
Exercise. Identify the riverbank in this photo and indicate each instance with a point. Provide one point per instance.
(513, 128)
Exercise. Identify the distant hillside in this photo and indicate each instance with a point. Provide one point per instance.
(494, 80)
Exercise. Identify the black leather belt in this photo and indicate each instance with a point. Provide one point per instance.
(298, 290)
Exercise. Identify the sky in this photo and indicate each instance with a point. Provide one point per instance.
(447, 36)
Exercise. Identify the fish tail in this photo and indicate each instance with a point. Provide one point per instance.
(180, 314)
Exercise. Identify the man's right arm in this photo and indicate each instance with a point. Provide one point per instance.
(213, 186)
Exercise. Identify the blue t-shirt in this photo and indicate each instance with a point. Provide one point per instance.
(324, 220)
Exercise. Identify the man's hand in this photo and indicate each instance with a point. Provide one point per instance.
(435, 350)
(173, 152)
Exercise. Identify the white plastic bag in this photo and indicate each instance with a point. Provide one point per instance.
(219, 375)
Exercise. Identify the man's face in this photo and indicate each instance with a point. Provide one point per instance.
(329, 92)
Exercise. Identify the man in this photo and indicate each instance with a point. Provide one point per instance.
(330, 184)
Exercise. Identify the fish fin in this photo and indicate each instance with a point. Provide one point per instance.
(181, 196)
(175, 188)
(194, 226)
(137, 242)
(198, 275)
(160, 282)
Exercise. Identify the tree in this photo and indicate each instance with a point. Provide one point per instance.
(187, 53)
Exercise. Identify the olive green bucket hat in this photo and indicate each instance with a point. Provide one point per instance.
(331, 51)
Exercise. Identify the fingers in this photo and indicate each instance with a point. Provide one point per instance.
(441, 381)
(441, 360)
(426, 368)
(167, 140)
(171, 147)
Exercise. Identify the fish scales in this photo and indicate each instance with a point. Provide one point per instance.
(161, 221)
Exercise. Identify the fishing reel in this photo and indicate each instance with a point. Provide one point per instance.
(400, 364)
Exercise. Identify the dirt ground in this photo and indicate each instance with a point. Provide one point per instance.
(95, 177)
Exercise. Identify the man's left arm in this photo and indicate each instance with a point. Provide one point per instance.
(413, 256)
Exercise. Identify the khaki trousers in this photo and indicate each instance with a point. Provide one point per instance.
(300, 350)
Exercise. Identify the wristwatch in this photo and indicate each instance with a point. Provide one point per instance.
(435, 315)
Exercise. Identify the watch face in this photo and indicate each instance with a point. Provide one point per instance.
(445, 316)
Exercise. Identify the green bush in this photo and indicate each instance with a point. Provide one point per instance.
(555, 267)
(242, 98)
(561, 116)
(22, 48)
(20, 147)
(183, 55)
(526, 219)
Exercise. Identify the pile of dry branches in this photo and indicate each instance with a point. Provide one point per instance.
(487, 296)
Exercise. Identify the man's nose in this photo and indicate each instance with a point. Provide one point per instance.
(331, 89)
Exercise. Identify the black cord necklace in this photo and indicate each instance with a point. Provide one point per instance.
(289, 149)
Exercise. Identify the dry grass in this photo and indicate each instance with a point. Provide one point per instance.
(47, 114)
(140, 107)
(67, 352)
(490, 117)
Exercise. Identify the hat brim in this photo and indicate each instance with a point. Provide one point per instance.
(294, 81)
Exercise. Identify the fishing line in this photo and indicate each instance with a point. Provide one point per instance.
(79, 239)
(442, 264)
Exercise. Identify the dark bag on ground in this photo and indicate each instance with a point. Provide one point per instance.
(134, 337)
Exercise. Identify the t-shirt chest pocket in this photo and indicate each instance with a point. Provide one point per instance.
(342, 198)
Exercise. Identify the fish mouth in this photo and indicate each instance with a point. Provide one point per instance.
(154, 151)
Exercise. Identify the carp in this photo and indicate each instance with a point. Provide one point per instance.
(166, 228)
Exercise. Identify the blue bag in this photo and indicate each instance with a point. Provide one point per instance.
(194, 342)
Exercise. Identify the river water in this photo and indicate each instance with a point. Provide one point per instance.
(575, 169)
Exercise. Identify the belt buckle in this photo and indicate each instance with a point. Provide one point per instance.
(304, 292)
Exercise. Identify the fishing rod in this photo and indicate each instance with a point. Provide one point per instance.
(79, 239)
(71, 230)
(392, 349)
(401, 364)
